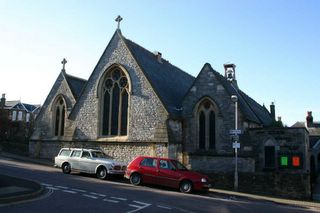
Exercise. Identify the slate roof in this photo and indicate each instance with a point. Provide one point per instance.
(10, 104)
(313, 131)
(169, 82)
(21, 106)
(76, 84)
(31, 107)
(249, 107)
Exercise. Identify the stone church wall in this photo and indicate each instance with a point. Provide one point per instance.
(44, 122)
(207, 85)
(122, 151)
(147, 116)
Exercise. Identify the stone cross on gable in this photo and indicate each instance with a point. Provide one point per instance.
(118, 19)
(63, 62)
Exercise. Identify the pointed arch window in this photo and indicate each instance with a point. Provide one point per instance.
(115, 92)
(206, 126)
(59, 115)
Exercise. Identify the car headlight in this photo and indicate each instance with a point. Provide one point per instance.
(203, 180)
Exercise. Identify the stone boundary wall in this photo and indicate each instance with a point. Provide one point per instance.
(218, 163)
(122, 151)
(282, 185)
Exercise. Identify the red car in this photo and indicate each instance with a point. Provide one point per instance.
(166, 172)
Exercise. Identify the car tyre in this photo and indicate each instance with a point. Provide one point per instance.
(66, 168)
(186, 186)
(102, 173)
(135, 179)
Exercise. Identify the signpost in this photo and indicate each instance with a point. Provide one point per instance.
(235, 135)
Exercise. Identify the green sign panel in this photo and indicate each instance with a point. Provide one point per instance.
(284, 161)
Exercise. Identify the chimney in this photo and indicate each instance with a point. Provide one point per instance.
(279, 119)
(309, 119)
(273, 111)
(3, 100)
(158, 56)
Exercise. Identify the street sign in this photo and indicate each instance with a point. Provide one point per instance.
(235, 132)
(236, 145)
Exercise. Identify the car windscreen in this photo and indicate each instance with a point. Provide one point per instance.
(179, 165)
(65, 152)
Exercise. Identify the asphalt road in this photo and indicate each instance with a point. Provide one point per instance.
(84, 193)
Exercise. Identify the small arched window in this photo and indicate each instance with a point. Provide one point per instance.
(115, 97)
(59, 115)
(206, 125)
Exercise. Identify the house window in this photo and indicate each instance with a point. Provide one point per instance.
(115, 104)
(28, 117)
(206, 125)
(14, 115)
(20, 116)
(59, 115)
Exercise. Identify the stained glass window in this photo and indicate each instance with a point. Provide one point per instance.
(59, 117)
(206, 125)
(115, 104)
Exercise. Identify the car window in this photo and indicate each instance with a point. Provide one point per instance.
(65, 152)
(76, 153)
(166, 164)
(85, 154)
(98, 154)
(150, 162)
(179, 165)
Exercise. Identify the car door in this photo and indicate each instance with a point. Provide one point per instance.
(148, 169)
(74, 159)
(86, 163)
(168, 175)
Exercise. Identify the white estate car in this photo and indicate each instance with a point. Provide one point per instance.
(92, 161)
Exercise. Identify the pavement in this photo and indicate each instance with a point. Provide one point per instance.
(15, 189)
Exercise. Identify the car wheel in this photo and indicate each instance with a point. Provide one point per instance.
(66, 168)
(135, 179)
(186, 186)
(102, 173)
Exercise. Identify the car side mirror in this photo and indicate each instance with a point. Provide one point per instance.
(173, 169)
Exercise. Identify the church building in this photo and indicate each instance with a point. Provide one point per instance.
(137, 103)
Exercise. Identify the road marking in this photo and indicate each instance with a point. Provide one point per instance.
(78, 190)
(164, 207)
(45, 184)
(138, 208)
(52, 188)
(111, 201)
(101, 195)
(119, 198)
(62, 187)
(69, 191)
(90, 196)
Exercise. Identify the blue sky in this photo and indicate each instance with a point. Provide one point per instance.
(275, 44)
